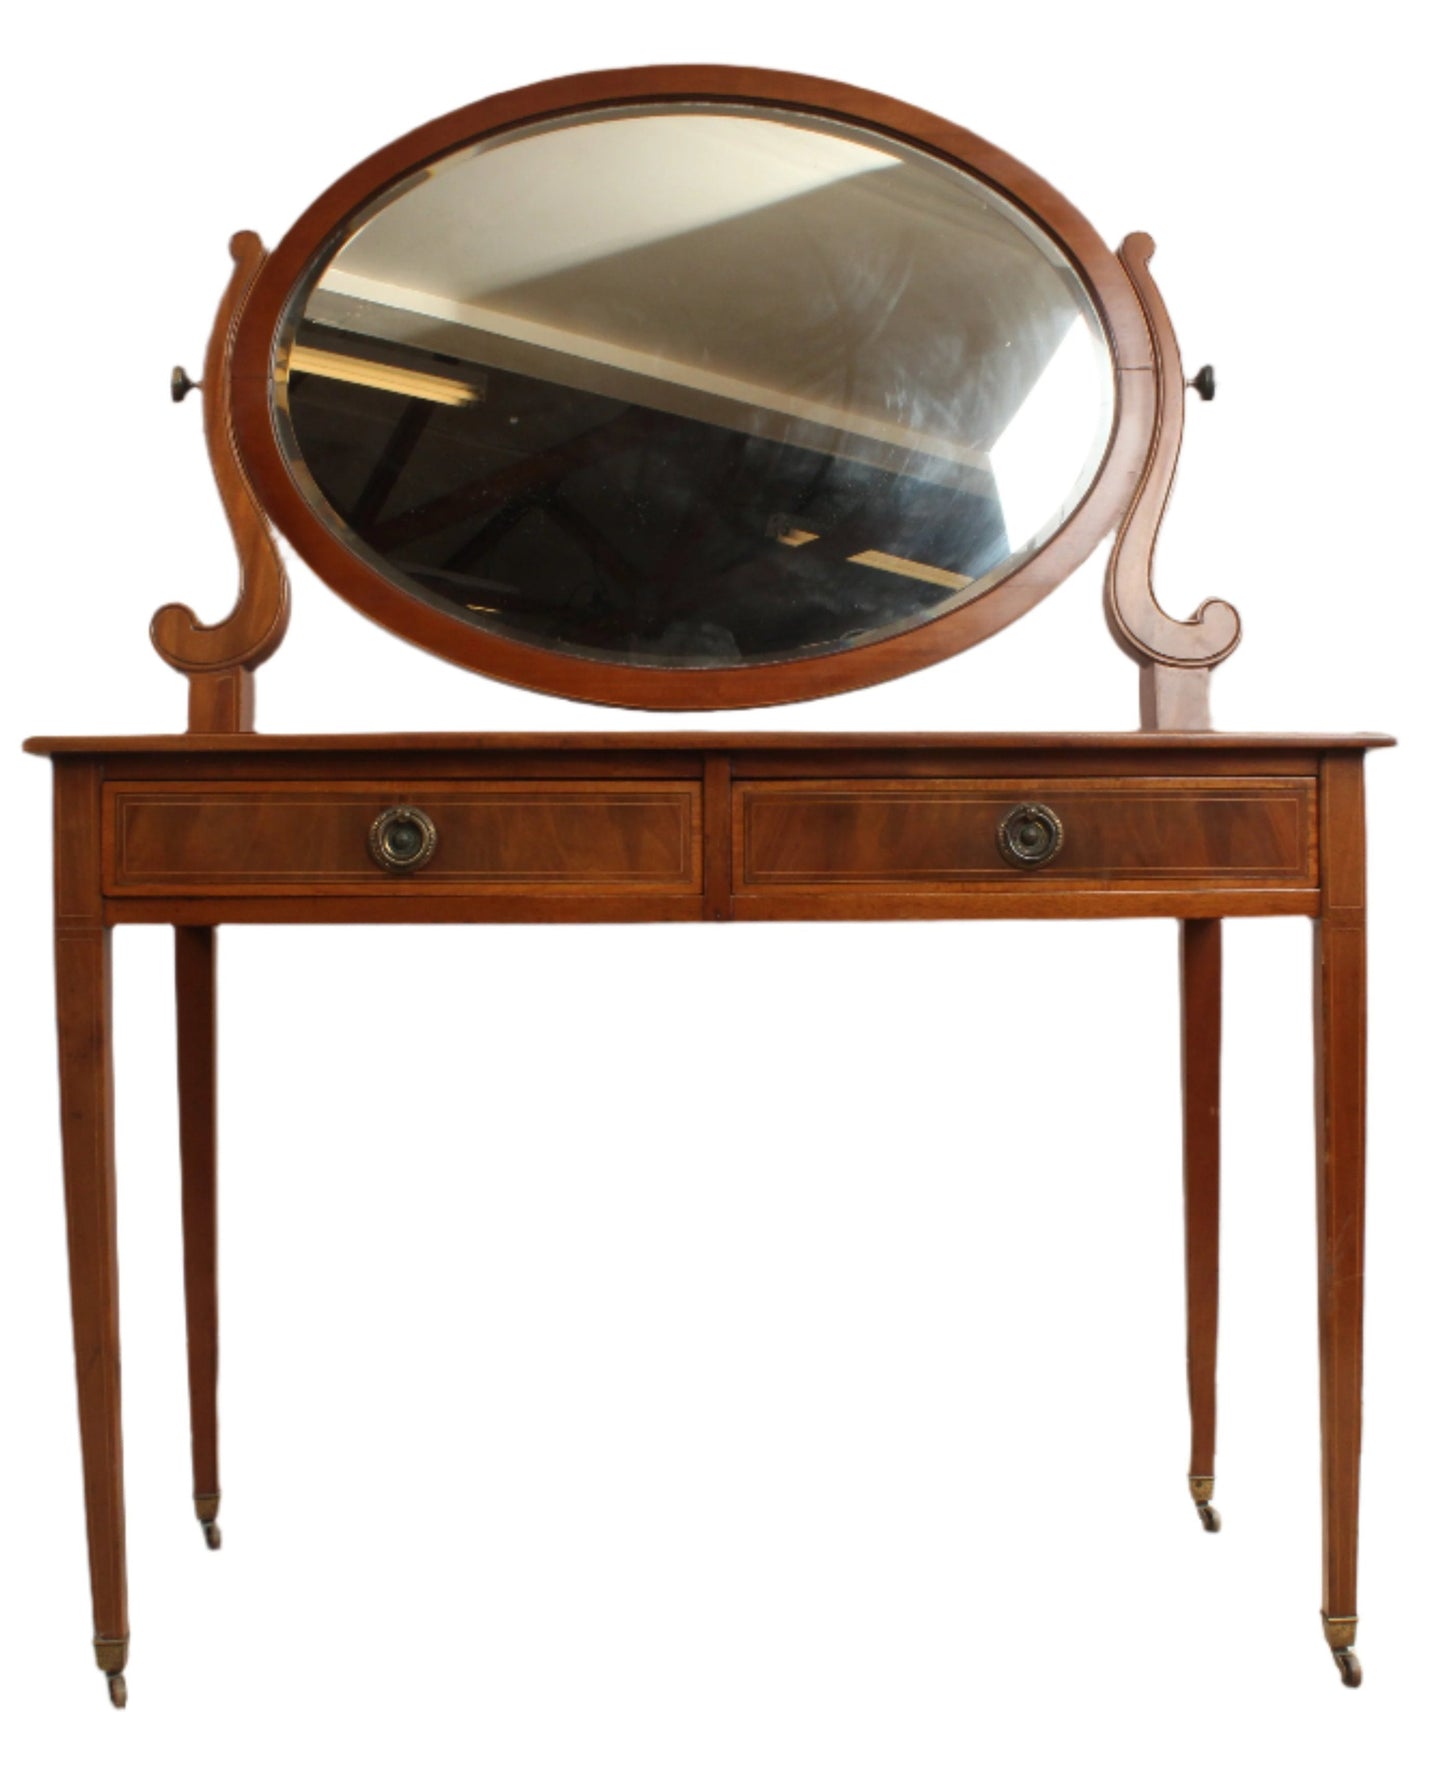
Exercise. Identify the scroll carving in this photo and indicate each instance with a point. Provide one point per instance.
(220, 658)
(1175, 656)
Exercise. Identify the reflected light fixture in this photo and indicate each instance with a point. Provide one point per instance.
(884, 562)
(306, 360)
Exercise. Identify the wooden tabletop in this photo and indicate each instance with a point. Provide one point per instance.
(269, 743)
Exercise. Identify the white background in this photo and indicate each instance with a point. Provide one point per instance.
(691, 1347)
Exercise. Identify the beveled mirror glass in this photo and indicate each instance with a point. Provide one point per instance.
(693, 385)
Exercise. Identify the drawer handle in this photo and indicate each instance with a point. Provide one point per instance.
(402, 839)
(1030, 836)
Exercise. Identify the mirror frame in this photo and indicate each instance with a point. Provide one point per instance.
(248, 376)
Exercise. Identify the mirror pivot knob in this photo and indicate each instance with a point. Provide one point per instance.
(1204, 382)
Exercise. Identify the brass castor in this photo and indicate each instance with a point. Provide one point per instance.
(1202, 1492)
(1351, 1672)
(212, 1533)
(119, 1696)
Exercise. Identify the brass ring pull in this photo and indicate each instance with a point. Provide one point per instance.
(1030, 836)
(402, 839)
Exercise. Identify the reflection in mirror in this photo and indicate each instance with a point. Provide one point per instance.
(695, 386)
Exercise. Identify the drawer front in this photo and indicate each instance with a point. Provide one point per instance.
(530, 836)
(936, 835)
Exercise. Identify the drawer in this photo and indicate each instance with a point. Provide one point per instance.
(191, 838)
(934, 835)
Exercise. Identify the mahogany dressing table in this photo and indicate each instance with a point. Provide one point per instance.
(697, 388)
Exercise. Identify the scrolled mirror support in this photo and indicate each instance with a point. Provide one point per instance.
(220, 658)
(1175, 657)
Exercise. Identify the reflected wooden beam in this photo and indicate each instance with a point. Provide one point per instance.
(590, 536)
(531, 475)
(394, 459)
(477, 547)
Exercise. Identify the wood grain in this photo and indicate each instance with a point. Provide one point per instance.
(220, 658)
(1200, 1020)
(87, 1125)
(941, 835)
(1340, 1055)
(197, 1078)
(589, 744)
(719, 853)
(556, 835)
(1177, 656)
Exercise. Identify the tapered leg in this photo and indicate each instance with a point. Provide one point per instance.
(82, 1000)
(195, 1025)
(1340, 1196)
(1200, 991)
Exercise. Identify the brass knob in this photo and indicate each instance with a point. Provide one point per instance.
(402, 839)
(1029, 836)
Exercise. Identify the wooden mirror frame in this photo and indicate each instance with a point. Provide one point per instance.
(1130, 488)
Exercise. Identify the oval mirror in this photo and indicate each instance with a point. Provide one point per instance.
(689, 386)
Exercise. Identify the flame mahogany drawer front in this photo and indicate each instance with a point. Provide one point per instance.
(937, 835)
(204, 837)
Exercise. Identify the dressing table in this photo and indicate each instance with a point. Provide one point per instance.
(689, 389)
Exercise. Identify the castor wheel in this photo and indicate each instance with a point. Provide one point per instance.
(119, 1696)
(1209, 1518)
(1348, 1662)
(212, 1533)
